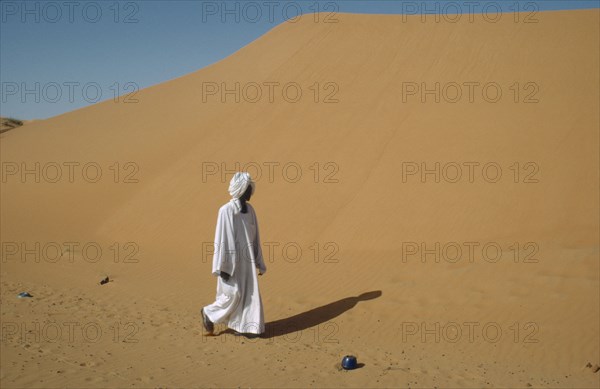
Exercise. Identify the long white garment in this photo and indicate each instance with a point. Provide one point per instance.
(238, 253)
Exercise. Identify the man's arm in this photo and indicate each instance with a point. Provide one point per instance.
(225, 253)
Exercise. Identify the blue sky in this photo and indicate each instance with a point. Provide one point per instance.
(57, 56)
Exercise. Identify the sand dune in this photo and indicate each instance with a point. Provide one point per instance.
(518, 252)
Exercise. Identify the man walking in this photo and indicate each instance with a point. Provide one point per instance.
(237, 255)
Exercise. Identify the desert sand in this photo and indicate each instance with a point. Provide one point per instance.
(523, 312)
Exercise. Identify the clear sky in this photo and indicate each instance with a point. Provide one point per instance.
(57, 56)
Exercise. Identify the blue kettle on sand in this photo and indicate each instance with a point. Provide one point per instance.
(349, 362)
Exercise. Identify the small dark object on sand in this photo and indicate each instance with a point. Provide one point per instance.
(24, 295)
(104, 281)
(349, 362)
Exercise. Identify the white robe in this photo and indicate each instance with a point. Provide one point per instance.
(238, 253)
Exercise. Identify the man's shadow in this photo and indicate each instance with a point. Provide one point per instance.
(315, 316)
(310, 318)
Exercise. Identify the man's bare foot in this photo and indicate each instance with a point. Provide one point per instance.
(208, 325)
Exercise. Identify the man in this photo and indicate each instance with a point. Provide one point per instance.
(237, 254)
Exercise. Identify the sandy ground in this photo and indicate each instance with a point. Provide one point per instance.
(487, 278)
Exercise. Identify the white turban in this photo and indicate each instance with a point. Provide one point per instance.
(237, 187)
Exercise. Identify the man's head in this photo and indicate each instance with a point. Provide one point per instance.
(241, 186)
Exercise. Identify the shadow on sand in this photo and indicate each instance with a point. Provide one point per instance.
(315, 316)
(310, 318)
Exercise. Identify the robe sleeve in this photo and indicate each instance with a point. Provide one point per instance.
(225, 252)
(260, 263)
